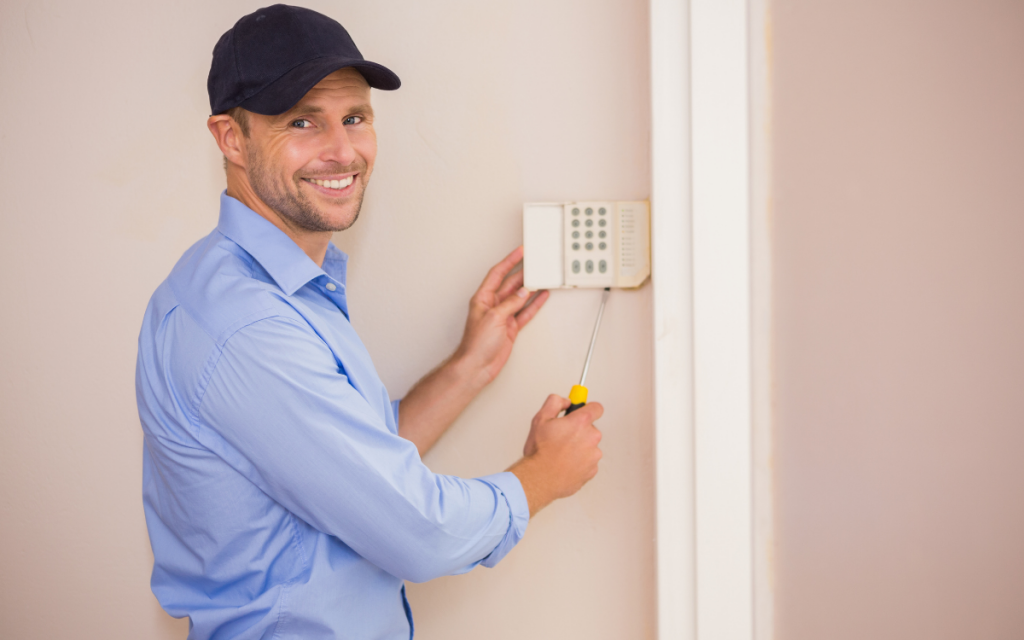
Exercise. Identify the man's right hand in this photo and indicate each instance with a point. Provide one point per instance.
(560, 454)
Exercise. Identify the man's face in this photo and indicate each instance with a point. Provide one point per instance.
(311, 164)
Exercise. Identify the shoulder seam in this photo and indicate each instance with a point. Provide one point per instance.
(214, 360)
(180, 300)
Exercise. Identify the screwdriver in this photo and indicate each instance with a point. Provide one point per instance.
(578, 394)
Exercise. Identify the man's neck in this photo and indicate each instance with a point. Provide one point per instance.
(313, 243)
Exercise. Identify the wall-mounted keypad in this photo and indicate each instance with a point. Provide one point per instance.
(589, 249)
(586, 244)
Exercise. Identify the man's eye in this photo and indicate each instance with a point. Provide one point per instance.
(301, 123)
(352, 120)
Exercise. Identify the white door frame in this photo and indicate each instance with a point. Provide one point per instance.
(711, 318)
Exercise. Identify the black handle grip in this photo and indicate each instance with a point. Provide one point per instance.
(573, 407)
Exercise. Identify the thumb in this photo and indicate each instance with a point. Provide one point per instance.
(554, 405)
(512, 304)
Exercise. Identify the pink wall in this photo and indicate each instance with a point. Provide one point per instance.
(898, 213)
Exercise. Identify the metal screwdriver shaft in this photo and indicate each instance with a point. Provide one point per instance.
(578, 395)
(593, 337)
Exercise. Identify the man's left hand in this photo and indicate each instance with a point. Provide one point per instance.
(497, 311)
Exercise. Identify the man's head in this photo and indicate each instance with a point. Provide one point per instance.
(311, 164)
(290, 94)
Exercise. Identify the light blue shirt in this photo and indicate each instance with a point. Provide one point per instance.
(280, 500)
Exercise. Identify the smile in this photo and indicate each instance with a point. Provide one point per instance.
(332, 184)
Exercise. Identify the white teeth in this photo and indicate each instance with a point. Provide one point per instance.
(334, 184)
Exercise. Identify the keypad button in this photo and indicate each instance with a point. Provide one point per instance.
(602, 246)
(575, 223)
(576, 234)
(590, 211)
(602, 266)
(575, 246)
(600, 222)
(601, 234)
(602, 211)
(590, 234)
(575, 266)
(590, 246)
(590, 266)
(590, 223)
(575, 211)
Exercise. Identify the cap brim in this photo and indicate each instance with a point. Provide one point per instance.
(285, 92)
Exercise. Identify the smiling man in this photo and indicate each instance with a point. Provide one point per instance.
(284, 491)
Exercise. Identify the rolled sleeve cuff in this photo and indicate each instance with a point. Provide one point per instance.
(511, 489)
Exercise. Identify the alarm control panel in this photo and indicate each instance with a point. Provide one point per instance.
(586, 244)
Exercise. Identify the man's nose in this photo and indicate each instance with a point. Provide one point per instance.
(338, 147)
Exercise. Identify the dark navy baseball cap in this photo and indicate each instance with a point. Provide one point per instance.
(274, 56)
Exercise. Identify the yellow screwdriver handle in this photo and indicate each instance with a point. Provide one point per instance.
(578, 398)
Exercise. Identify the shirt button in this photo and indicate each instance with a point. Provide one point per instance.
(330, 286)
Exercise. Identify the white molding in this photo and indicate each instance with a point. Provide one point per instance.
(712, 290)
(673, 330)
(720, 108)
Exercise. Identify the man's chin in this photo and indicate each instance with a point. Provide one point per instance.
(336, 216)
(327, 219)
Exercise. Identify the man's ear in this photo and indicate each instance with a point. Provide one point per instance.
(229, 138)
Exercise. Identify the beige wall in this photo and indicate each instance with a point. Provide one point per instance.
(898, 222)
(108, 174)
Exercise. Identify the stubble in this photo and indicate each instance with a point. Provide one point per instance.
(292, 204)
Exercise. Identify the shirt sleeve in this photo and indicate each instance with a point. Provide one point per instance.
(279, 409)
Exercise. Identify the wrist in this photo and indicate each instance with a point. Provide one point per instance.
(530, 473)
(467, 372)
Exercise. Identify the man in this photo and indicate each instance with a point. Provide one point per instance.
(284, 492)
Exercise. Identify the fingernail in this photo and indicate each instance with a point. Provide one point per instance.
(523, 292)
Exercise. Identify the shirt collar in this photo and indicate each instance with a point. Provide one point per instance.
(278, 254)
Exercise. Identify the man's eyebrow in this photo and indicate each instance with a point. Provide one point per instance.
(364, 109)
(299, 109)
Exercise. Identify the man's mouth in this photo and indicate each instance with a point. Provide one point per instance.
(332, 184)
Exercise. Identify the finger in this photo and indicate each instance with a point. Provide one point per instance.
(526, 313)
(512, 304)
(554, 405)
(511, 284)
(498, 272)
(590, 412)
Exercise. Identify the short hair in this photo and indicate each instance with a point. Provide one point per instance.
(241, 116)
